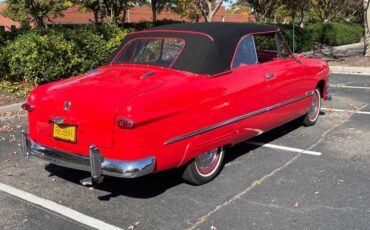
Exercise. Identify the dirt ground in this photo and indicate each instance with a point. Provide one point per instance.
(351, 61)
(7, 99)
(347, 55)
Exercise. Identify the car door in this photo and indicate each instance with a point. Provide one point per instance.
(284, 77)
(252, 97)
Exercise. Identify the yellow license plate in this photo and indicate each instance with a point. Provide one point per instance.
(65, 132)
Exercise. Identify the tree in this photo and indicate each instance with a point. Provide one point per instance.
(326, 10)
(367, 27)
(264, 10)
(27, 11)
(187, 8)
(114, 8)
(208, 8)
(352, 9)
(294, 7)
(96, 7)
(159, 5)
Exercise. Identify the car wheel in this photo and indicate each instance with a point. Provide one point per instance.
(205, 167)
(313, 113)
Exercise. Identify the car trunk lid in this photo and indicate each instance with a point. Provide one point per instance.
(91, 102)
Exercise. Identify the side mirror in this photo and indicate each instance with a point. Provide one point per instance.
(298, 57)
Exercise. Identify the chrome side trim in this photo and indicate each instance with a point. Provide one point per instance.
(95, 164)
(236, 119)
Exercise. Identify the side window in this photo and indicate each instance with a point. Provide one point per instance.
(271, 47)
(266, 47)
(246, 53)
(283, 49)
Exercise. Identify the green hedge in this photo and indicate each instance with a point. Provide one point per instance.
(45, 55)
(336, 34)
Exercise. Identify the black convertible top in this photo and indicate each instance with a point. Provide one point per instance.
(209, 47)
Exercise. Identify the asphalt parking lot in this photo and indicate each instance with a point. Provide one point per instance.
(269, 187)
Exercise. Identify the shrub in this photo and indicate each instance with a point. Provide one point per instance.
(302, 38)
(316, 30)
(44, 55)
(336, 34)
(4, 70)
(41, 58)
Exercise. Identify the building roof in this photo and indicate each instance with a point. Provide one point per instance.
(209, 47)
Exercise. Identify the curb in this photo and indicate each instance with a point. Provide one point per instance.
(11, 108)
(350, 70)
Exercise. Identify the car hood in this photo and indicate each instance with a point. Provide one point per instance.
(94, 100)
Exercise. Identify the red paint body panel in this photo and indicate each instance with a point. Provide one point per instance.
(170, 104)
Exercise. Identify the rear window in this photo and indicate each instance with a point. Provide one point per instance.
(151, 51)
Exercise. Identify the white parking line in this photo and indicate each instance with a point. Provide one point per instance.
(343, 110)
(57, 208)
(290, 149)
(349, 87)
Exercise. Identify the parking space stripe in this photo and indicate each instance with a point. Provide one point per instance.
(57, 208)
(343, 110)
(349, 87)
(285, 148)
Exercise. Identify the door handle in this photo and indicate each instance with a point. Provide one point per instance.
(269, 75)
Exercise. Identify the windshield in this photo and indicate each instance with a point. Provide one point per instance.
(151, 51)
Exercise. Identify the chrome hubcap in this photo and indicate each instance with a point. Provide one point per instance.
(314, 108)
(206, 160)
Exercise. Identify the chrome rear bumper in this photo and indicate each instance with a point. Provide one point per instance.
(95, 163)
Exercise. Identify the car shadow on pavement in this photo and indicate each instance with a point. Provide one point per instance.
(156, 184)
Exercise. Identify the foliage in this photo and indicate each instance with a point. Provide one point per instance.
(21, 89)
(208, 8)
(188, 9)
(4, 68)
(336, 34)
(45, 55)
(293, 7)
(28, 11)
(263, 9)
(302, 38)
(41, 58)
(331, 10)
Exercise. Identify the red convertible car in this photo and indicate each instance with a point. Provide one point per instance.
(174, 96)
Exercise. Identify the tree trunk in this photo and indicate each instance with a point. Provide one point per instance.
(96, 17)
(208, 17)
(367, 27)
(124, 16)
(40, 21)
(154, 11)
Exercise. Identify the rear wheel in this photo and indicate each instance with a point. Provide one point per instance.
(313, 113)
(205, 167)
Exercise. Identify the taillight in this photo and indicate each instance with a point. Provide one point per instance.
(125, 123)
(28, 107)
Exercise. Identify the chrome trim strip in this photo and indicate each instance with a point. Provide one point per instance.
(236, 119)
(116, 168)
